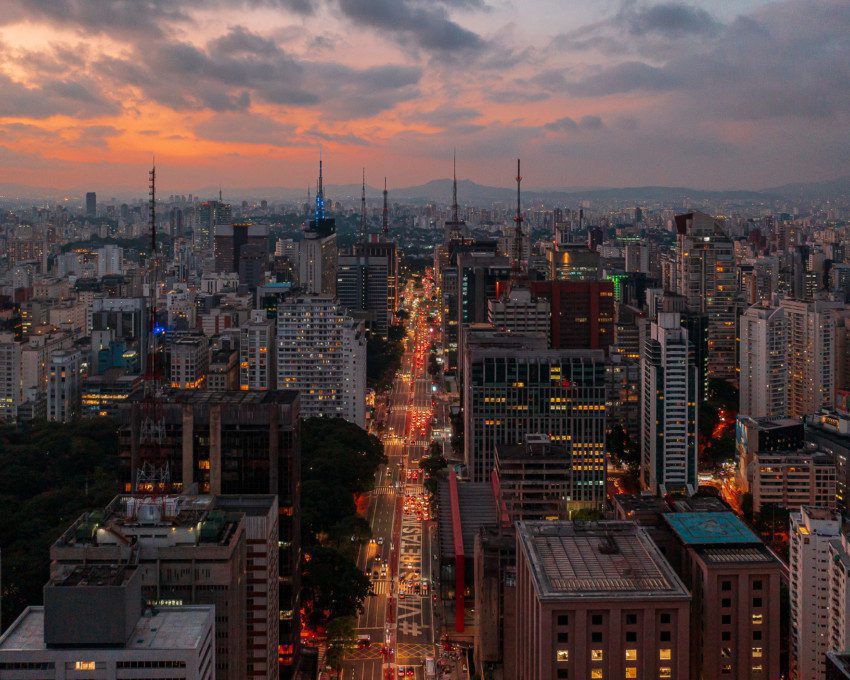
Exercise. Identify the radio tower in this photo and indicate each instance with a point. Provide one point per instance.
(152, 474)
(320, 195)
(385, 228)
(516, 268)
(364, 236)
(455, 225)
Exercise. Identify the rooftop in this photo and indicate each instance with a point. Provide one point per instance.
(168, 628)
(710, 528)
(477, 508)
(230, 398)
(95, 575)
(601, 560)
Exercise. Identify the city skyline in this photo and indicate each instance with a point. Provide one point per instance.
(711, 95)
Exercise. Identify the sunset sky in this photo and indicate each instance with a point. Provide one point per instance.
(711, 94)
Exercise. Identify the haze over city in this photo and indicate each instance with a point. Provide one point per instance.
(714, 95)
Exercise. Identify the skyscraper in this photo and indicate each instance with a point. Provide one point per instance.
(63, 385)
(706, 278)
(764, 363)
(257, 357)
(321, 351)
(367, 281)
(91, 204)
(317, 253)
(582, 313)
(669, 417)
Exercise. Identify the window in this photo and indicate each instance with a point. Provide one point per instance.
(758, 619)
(596, 637)
(631, 672)
(562, 655)
(726, 619)
(563, 637)
(563, 673)
(756, 635)
(726, 652)
(665, 636)
(726, 602)
(596, 655)
(631, 655)
(758, 668)
(631, 636)
(665, 618)
(563, 620)
(596, 620)
(756, 602)
(726, 669)
(631, 619)
(84, 665)
(726, 636)
(664, 654)
(726, 585)
(757, 652)
(757, 584)
(665, 672)
(596, 674)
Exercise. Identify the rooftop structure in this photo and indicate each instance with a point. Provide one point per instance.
(710, 528)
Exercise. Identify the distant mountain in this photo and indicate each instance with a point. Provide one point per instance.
(813, 190)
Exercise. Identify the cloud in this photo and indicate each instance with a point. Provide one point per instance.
(426, 24)
(669, 19)
(246, 128)
(51, 97)
(625, 77)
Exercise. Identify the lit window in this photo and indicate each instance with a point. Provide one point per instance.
(665, 672)
(596, 655)
(664, 654)
(562, 655)
(596, 674)
(84, 665)
(631, 655)
(757, 652)
(757, 619)
(631, 672)
(758, 668)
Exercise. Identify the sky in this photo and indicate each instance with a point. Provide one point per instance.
(714, 94)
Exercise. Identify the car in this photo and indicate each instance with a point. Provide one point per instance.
(364, 641)
(380, 540)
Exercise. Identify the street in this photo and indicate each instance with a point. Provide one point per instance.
(398, 616)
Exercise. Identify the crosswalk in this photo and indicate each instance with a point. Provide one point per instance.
(381, 586)
(407, 653)
(383, 490)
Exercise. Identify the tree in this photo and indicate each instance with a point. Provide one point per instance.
(342, 637)
(332, 586)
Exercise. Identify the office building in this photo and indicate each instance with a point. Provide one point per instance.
(161, 536)
(812, 530)
(91, 204)
(669, 416)
(63, 385)
(791, 479)
(92, 626)
(243, 442)
(532, 479)
(519, 311)
(597, 600)
(11, 391)
(223, 371)
(321, 352)
(830, 432)
(210, 214)
(367, 282)
(811, 355)
(734, 580)
(573, 262)
(515, 386)
(230, 239)
(706, 277)
(764, 363)
(188, 362)
(257, 356)
(119, 334)
(582, 313)
(110, 261)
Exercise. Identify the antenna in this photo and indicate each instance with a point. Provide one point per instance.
(363, 234)
(517, 256)
(219, 193)
(385, 229)
(454, 186)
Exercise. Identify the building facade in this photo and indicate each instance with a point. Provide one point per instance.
(764, 363)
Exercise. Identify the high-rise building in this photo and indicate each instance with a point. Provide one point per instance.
(573, 262)
(838, 586)
(735, 582)
(92, 625)
(519, 311)
(532, 479)
(811, 355)
(367, 281)
(189, 362)
(91, 204)
(515, 386)
(210, 214)
(230, 239)
(11, 390)
(119, 330)
(317, 253)
(63, 385)
(812, 531)
(597, 600)
(321, 351)
(582, 313)
(110, 260)
(257, 356)
(231, 443)
(669, 417)
(187, 552)
(764, 363)
(706, 278)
